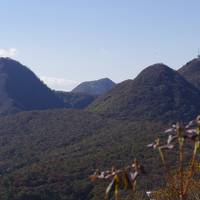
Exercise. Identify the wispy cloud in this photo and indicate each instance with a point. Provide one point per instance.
(104, 51)
(10, 52)
(59, 83)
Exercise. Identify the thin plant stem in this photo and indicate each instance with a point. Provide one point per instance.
(163, 160)
(117, 196)
(192, 167)
(168, 174)
(181, 141)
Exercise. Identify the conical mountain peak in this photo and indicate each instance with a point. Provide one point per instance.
(191, 72)
(21, 89)
(156, 73)
(158, 92)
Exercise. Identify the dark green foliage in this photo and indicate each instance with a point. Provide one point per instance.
(158, 92)
(75, 100)
(20, 89)
(50, 154)
(95, 88)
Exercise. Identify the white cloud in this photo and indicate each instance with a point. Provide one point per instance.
(104, 51)
(10, 52)
(59, 83)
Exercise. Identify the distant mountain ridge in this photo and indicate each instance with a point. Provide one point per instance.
(97, 87)
(75, 100)
(158, 92)
(21, 89)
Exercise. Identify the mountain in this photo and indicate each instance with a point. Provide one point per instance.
(75, 100)
(50, 154)
(95, 88)
(21, 89)
(191, 72)
(158, 92)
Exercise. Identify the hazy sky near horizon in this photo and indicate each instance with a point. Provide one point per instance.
(69, 41)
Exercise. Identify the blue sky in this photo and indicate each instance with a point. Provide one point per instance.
(69, 41)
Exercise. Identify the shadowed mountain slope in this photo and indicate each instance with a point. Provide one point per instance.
(158, 92)
(20, 89)
(75, 100)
